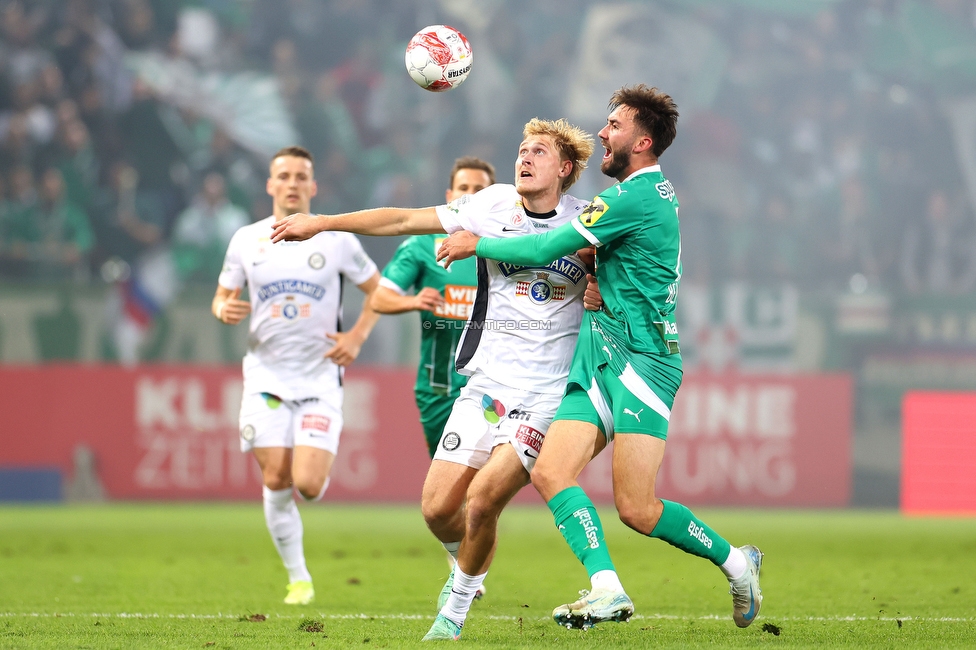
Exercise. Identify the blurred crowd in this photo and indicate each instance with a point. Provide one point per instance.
(828, 158)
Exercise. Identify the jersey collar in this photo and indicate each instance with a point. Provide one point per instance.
(643, 170)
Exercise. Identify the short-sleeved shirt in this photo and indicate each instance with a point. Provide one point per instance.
(414, 266)
(526, 319)
(295, 290)
(634, 225)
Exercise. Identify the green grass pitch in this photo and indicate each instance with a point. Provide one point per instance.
(207, 575)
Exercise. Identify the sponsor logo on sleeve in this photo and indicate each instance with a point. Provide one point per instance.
(456, 204)
(596, 209)
(247, 432)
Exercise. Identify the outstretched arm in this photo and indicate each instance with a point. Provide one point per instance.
(527, 250)
(377, 221)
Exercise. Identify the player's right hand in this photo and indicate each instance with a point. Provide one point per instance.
(297, 227)
(234, 310)
(592, 298)
(428, 299)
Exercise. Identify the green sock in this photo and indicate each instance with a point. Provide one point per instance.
(679, 527)
(576, 519)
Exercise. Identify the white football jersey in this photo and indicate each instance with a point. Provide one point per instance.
(295, 290)
(525, 320)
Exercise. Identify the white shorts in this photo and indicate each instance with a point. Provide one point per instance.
(487, 414)
(267, 421)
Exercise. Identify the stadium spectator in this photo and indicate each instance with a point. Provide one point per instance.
(291, 413)
(939, 250)
(127, 221)
(49, 237)
(202, 231)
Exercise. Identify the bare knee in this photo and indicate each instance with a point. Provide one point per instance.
(277, 478)
(437, 510)
(639, 514)
(546, 481)
(312, 489)
(481, 510)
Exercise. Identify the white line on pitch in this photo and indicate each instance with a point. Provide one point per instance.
(408, 617)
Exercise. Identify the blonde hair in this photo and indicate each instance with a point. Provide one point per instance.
(574, 144)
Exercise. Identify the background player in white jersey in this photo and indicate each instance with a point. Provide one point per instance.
(291, 413)
(516, 348)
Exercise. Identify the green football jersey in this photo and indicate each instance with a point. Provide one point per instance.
(414, 266)
(634, 225)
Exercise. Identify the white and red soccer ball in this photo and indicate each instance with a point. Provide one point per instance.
(438, 58)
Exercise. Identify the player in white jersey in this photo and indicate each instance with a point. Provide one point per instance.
(291, 413)
(516, 348)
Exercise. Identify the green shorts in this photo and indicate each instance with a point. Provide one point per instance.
(434, 412)
(618, 390)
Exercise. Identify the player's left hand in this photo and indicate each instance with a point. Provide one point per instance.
(296, 227)
(346, 348)
(592, 300)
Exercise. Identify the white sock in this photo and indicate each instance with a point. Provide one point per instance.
(452, 548)
(735, 566)
(285, 526)
(606, 579)
(462, 594)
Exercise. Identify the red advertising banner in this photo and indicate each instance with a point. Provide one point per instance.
(752, 440)
(938, 453)
(170, 432)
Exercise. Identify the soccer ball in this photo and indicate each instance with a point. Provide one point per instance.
(438, 58)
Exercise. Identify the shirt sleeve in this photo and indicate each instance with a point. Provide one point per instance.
(533, 250)
(453, 217)
(232, 274)
(355, 263)
(469, 212)
(607, 218)
(404, 269)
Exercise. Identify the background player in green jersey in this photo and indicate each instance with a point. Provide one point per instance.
(626, 367)
(443, 297)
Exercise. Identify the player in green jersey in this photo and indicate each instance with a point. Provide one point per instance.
(443, 297)
(627, 365)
